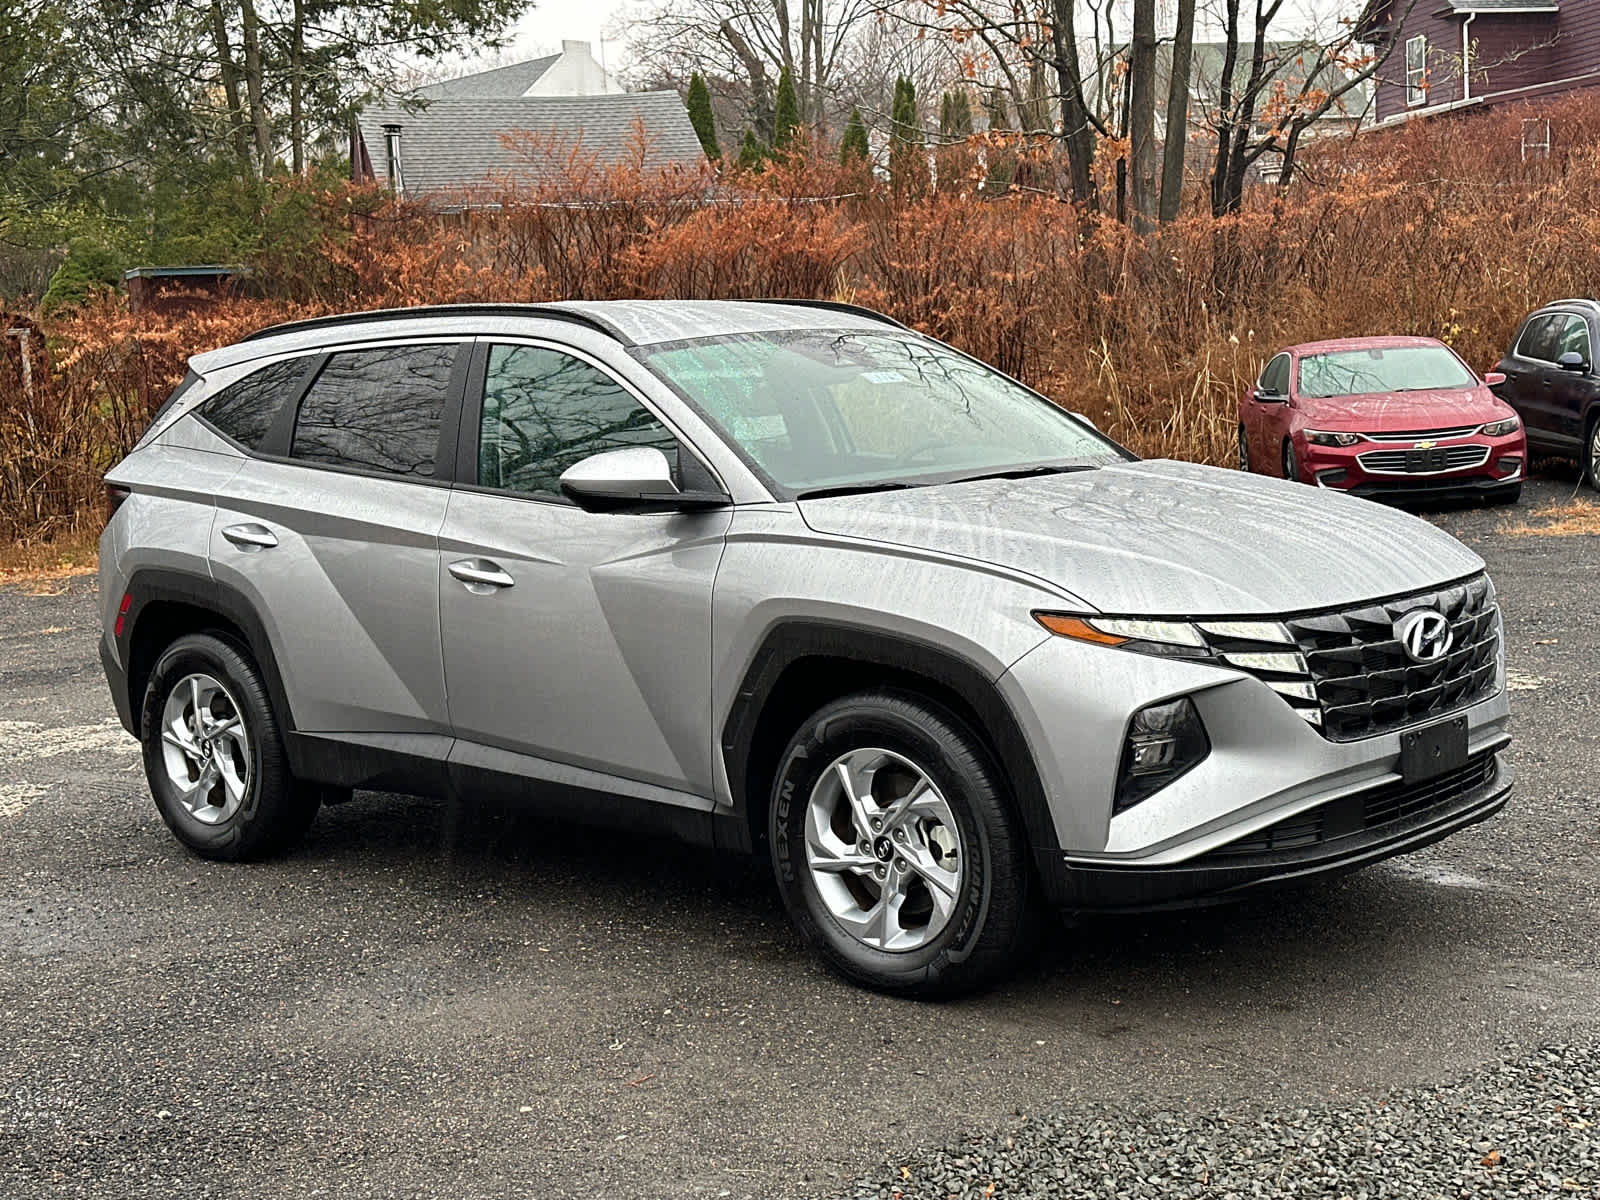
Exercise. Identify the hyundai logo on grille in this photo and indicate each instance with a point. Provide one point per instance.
(1425, 634)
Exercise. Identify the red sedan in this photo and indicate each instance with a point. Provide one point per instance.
(1396, 418)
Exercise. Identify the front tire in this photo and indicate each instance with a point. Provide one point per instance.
(213, 753)
(1291, 464)
(1591, 455)
(1244, 449)
(895, 848)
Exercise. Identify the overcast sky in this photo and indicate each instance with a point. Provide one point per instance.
(543, 27)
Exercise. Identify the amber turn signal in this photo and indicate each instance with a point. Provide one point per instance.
(1078, 629)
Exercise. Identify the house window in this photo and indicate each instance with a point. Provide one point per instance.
(1417, 70)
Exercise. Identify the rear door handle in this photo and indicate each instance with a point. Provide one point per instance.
(250, 537)
(481, 575)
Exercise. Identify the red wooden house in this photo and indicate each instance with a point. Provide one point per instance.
(1454, 54)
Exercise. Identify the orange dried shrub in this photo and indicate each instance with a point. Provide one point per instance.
(1441, 227)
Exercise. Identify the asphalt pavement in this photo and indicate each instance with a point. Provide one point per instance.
(431, 999)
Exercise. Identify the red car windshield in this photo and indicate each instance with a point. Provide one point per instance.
(1392, 369)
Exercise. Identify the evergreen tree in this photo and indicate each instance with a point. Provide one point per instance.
(1002, 162)
(786, 114)
(908, 162)
(955, 115)
(700, 116)
(854, 147)
(752, 154)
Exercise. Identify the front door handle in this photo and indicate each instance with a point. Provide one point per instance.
(250, 537)
(481, 575)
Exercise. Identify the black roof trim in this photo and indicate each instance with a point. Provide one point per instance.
(857, 310)
(377, 315)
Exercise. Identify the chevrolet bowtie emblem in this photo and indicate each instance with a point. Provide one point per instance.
(1425, 445)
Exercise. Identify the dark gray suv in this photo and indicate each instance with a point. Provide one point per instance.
(1553, 381)
(789, 578)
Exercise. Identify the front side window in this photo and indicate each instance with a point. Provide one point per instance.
(1541, 337)
(815, 409)
(377, 410)
(1275, 379)
(1417, 70)
(1382, 369)
(245, 409)
(545, 411)
(1575, 339)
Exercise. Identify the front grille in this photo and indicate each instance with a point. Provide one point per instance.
(1363, 812)
(1416, 435)
(1423, 462)
(1365, 681)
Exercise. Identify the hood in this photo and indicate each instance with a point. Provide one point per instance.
(1392, 412)
(1165, 538)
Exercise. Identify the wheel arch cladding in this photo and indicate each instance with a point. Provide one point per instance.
(803, 665)
(166, 605)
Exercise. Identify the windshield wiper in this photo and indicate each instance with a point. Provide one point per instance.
(1026, 472)
(852, 489)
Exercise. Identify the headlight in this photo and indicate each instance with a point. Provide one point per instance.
(1176, 638)
(1318, 438)
(1500, 428)
(1164, 741)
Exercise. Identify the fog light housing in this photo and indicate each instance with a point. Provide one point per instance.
(1508, 465)
(1164, 742)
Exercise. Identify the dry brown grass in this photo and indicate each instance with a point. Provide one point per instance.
(48, 566)
(1578, 517)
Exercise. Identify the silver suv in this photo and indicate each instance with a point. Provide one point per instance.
(787, 578)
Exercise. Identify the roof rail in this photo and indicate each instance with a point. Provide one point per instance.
(838, 306)
(1585, 301)
(377, 315)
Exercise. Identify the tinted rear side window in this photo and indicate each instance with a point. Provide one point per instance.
(245, 408)
(377, 410)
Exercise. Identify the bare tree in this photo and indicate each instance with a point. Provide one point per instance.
(1174, 151)
(755, 41)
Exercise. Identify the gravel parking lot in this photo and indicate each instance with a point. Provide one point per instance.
(430, 999)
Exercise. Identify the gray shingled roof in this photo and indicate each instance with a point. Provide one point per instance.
(457, 145)
(501, 83)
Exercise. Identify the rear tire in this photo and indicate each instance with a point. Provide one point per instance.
(932, 899)
(213, 753)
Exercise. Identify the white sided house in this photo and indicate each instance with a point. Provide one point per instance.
(573, 72)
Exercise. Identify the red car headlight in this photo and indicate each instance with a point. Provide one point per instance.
(1318, 438)
(1500, 428)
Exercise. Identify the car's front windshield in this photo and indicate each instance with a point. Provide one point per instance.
(819, 410)
(1382, 369)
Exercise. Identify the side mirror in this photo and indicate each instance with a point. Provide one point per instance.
(1262, 396)
(639, 477)
(1572, 361)
(1494, 378)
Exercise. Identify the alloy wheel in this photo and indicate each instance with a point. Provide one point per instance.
(205, 748)
(1594, 454)
(883, 849)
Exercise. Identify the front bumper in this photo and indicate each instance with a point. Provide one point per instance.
(1240, 817)
(1226, 873)
(1374, 470)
